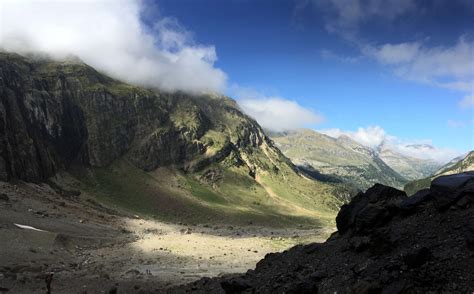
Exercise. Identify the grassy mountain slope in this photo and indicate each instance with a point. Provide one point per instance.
(462, 165)
(173, 155)
(340, 158)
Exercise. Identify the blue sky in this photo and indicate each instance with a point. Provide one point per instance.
(279, 50)
(393, 71)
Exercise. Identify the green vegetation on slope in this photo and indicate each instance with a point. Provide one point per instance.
(171, 195)
(172, 155)
(337, 160)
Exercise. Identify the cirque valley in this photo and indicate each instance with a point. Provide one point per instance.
(151, 147)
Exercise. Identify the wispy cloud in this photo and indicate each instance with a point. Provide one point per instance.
(330, 55)
(452, 123)
(373, 136)
(450, 66)
(110, 36)
(467, 101)
(344, 17)
(273, 112)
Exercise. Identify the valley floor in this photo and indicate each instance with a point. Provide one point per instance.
(93, 249)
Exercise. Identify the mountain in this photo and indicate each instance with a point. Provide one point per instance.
(410, 168)
(386, 243)
(339, 159)
(458, 165)
(169, 155)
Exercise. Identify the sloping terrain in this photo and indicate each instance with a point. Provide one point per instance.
(463, 164)
(92, 248)
(408, 167)
(340, 159)
(386, 243)
(170, 155)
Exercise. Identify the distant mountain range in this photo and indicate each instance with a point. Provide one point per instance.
(343, 159)
(458, 165)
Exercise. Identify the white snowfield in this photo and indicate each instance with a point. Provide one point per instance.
(29, 228)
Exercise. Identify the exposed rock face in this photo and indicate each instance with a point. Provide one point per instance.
(55, 113)
(387, 243)
(370, 209)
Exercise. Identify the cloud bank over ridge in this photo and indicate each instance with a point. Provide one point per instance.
(273, 112)
(373, 136)
(110, 36)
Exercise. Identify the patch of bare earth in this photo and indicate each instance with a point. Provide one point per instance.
(91, 248)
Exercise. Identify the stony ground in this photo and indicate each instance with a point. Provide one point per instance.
(93, 249)
(387, 243)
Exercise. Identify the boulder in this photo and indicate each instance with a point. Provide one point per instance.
(417, 257)
(3, 170)
(4, 197)
(236, 285)
(370, 209)
(451, 182)
(469, 233)
(412, 202)
(447, 190)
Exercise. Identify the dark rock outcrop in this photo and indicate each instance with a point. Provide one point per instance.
(372, 208)
(449, 189)
(387, 243)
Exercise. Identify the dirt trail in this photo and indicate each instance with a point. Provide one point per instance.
(90, 249)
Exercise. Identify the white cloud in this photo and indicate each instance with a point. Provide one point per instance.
(467, 101)
(449, 67)
(456, 123)
(110, 36)
(427, 151)
(463, 86)
(275, 113)
(330, 55)
(373, 136)
(394, 53)
(344, 17)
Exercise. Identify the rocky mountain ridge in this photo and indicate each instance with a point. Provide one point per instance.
(339, 159)
(55, 115)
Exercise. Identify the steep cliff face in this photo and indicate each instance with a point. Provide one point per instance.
(55, 114)
(40, 131)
